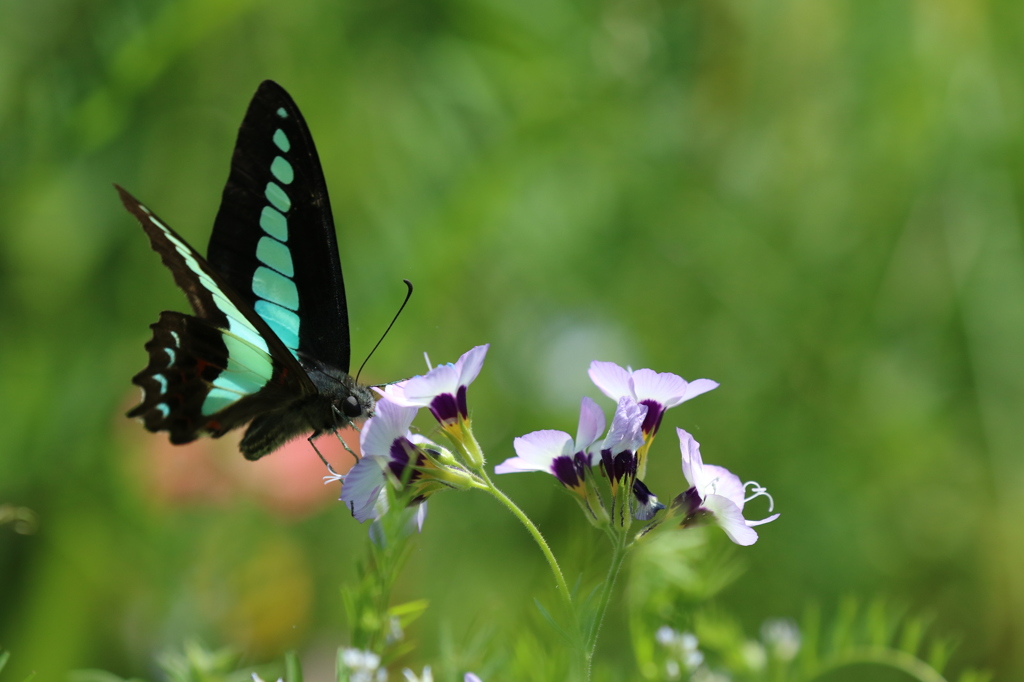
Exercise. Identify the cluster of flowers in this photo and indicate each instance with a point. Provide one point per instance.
(780, 641)
(604, 474)
(411, 463)
(356, 665)
(682, 652)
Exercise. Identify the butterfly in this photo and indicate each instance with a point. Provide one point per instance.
(268, 343)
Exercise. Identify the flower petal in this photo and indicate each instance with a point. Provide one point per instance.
(695, 388)
(721, 481)
(394, 392)
(363, 485)
(666, 388)
(730, 518)
(626, 432)
(536, 451)
(591, 424)
(390, 421)
(470, 364)
(692, 463)
(421, 390)
(420, 516)
(611, 379)
(762, 521)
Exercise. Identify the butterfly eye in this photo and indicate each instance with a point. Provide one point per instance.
(351, 407)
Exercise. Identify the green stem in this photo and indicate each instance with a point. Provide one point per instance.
(582, 662)
(618, 555)
(563, 588)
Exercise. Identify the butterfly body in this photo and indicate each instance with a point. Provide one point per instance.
(268, 344)
(326, 410)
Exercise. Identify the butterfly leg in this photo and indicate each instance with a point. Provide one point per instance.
(344, 421)
(335, 476)
(345, 445)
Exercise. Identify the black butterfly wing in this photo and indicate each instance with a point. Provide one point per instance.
(213, 372)
(273, 240)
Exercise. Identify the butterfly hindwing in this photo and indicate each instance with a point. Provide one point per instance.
(203, 380)
(273, 240)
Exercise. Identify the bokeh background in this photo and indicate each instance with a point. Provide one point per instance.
(815, 203)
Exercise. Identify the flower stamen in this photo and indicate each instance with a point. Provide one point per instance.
(759, 491)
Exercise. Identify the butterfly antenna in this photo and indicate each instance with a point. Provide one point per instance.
(408, 295)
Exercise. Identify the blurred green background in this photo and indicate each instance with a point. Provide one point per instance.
(815, 203)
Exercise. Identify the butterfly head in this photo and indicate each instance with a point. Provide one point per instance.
(358, 404)
(348, 399)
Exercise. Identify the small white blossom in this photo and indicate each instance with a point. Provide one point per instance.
(363, 666)
(395, 632)
(682, 647)
(782, 637)
(427, 676)
(665, 635)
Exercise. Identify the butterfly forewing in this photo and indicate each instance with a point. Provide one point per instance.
(205, 372)
(273, 240)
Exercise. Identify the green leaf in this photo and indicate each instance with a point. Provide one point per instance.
(553, 623)
(913, 635)
(408, 612)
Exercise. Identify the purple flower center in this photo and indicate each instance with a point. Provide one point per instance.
(617, 467)
(565, 471)
(691, 501)
(447, 408)
(570, 470)
(399, 464)
(647, 504)
(655, 411)
(643, 494)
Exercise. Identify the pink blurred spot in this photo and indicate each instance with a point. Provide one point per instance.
(288, 482)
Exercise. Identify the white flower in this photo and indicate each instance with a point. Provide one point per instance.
(658, 391)
(363, 666)
(427, 676)
(556, 452)
(442, 389)
(682, 647)
(719, 492)
(387, 446)
(782, 636)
